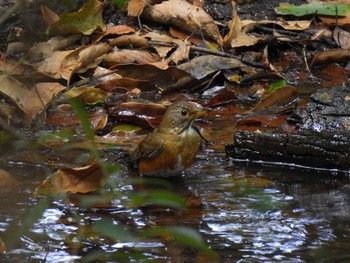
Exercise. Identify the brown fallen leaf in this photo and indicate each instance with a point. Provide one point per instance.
(277, 97)
(73, 180)
(126, 56)
(51, 65)
(330, 56)
(116, 30)
(334, 74)
(134, 40)
(142, 114)
(30, 100)
(98, 118)
(82, 59)
(7, 182)
(135, 7)
(182, 14)
(49, 16)
(44, 50)
(163, 50)
(2, 246)
(202, 66)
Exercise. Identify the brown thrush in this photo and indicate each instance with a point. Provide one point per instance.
(173, 147)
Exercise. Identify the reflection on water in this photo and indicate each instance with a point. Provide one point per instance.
(246, 216)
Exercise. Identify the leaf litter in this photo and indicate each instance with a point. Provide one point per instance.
(172, 49)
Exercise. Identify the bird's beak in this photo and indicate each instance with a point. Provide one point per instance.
(201, 112)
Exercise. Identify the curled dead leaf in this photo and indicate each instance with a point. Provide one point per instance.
(30, 100)
(82, 59)
(73, 180)
(126, 56)
(185, 16)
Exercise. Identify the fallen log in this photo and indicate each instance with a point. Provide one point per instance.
(322, 140)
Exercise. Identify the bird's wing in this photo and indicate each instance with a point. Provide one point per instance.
(149, 147)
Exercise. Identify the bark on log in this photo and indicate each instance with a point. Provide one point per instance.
(324, 151)
(322, 141)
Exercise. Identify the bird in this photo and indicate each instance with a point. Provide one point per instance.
(170, 149)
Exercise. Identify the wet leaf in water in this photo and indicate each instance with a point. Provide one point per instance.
(98, 118)
(7, 181)
(334, 74)
(158, 198)
(330, 56)
(85, 21)
(143, 114)
(279, 96)
(73, 180)
(2, 246)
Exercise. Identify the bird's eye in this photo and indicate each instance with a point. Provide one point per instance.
(184, 112)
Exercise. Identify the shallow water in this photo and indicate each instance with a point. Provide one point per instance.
(247, 215)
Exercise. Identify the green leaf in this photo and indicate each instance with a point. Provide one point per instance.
(185, 235)
(126, 127)
(277, 84)
(161, 198)
(116, 232)
(119, 4)
(85, 21)
(329, 9)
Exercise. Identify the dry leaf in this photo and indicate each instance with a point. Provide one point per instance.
(181, 53)
(134, 40)
(30, 100)
(51, 66)
(116, 30)
(135, 7)
(73, 180)
(49, 16)
(126, 56)
(237, 37)
(45, 49)
(185, 16)
(342, 37)
(202, 66)
(83, 58)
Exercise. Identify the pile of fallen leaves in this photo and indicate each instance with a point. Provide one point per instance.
(114, 65)
(126, 74)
